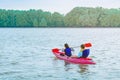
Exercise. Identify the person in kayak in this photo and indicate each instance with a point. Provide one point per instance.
(67, 50)
(83, 52)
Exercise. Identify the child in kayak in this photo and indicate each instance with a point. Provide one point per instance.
(67, 50)
(83, 52)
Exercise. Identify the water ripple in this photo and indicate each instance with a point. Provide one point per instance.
(25, 54)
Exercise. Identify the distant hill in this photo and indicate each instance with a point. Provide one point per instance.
(93, 17)
(77, 17)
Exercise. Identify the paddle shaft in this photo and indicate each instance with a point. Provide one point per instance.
(86, 45)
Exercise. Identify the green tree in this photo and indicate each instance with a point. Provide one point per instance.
(43, 23)
(77, 17)
(57, 19)
(35, 23)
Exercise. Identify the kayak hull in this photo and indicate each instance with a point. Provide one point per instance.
(57, 53)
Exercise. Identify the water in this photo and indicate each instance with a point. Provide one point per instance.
(25, 53)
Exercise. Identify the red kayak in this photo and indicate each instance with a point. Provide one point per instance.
(58, 53)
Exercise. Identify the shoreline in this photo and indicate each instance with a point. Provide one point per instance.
(59, 27)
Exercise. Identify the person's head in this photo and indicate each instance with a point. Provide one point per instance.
(66, 45)
(82, 46)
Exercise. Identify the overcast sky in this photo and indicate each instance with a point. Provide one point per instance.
(61, 6)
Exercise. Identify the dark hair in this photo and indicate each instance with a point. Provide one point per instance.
(82, 46)
(66, 45)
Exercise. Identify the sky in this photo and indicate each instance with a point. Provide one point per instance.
(61, 6)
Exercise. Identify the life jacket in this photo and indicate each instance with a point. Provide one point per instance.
(68, 52)
(85, 53)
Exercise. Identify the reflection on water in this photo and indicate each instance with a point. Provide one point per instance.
(83, 68)
(66, 63)
(67, 66)
(84, 71)
(55, 58)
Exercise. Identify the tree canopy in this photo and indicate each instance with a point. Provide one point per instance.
(77, 17)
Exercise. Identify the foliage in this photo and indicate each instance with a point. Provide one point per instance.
(77, 17)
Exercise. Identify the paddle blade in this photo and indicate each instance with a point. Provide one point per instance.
(88, 45)
(55, 50)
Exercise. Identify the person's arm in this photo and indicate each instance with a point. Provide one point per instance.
(80, 54)
(72, 49)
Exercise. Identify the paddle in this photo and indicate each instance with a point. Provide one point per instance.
(86, 45)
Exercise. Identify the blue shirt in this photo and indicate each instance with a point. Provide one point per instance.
(68, 52)
(85, 53)
(80, 54)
